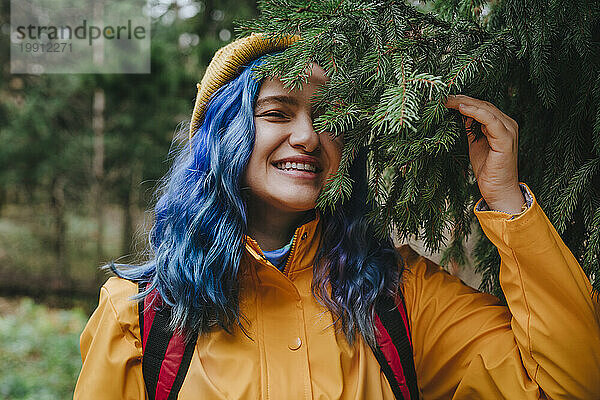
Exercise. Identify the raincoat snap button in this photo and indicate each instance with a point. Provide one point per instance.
(304, 235)
(296, 343)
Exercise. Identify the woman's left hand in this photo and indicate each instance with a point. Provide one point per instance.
(493, 157)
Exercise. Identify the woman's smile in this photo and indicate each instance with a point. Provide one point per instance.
(302, 167)
(300, 172)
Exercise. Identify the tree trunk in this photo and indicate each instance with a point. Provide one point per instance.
(3, 198)
(98, 173)
(130, 211)
(63, 277)
(126, 238)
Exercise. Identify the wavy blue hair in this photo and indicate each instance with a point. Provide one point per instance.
(197, 240)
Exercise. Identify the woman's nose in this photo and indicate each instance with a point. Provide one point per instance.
(303, 134)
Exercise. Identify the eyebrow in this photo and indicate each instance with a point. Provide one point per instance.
(277, 99)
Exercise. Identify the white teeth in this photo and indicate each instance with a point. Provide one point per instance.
(297, 166)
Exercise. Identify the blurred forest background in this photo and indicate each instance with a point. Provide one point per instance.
(80, 158)
(82, 154)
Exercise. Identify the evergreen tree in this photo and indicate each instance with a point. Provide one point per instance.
(393, 63)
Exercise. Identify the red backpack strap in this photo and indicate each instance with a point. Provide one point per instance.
(394, 347)
(166, 355)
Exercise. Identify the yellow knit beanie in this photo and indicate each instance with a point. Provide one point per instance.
(227, 63)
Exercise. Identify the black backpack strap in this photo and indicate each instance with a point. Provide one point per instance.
(394, 347)
(166, 354)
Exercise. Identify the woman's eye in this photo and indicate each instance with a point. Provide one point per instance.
(275, 114)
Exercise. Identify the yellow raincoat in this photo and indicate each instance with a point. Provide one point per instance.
(546, 344)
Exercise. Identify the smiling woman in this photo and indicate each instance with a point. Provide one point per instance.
(254, 293)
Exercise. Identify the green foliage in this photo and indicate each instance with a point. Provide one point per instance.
(392, 65)
(39, 351)
(43, 141)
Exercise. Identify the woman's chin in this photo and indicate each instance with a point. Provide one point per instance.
(295, 203)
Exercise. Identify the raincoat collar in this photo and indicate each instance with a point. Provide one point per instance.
(305, 244)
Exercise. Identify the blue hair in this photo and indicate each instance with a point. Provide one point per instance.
(354, 262)
(197, 240)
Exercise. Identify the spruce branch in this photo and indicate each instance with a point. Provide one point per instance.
(571, 193)
(391, 66)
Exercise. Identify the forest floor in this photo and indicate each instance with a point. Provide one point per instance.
(39, 350)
